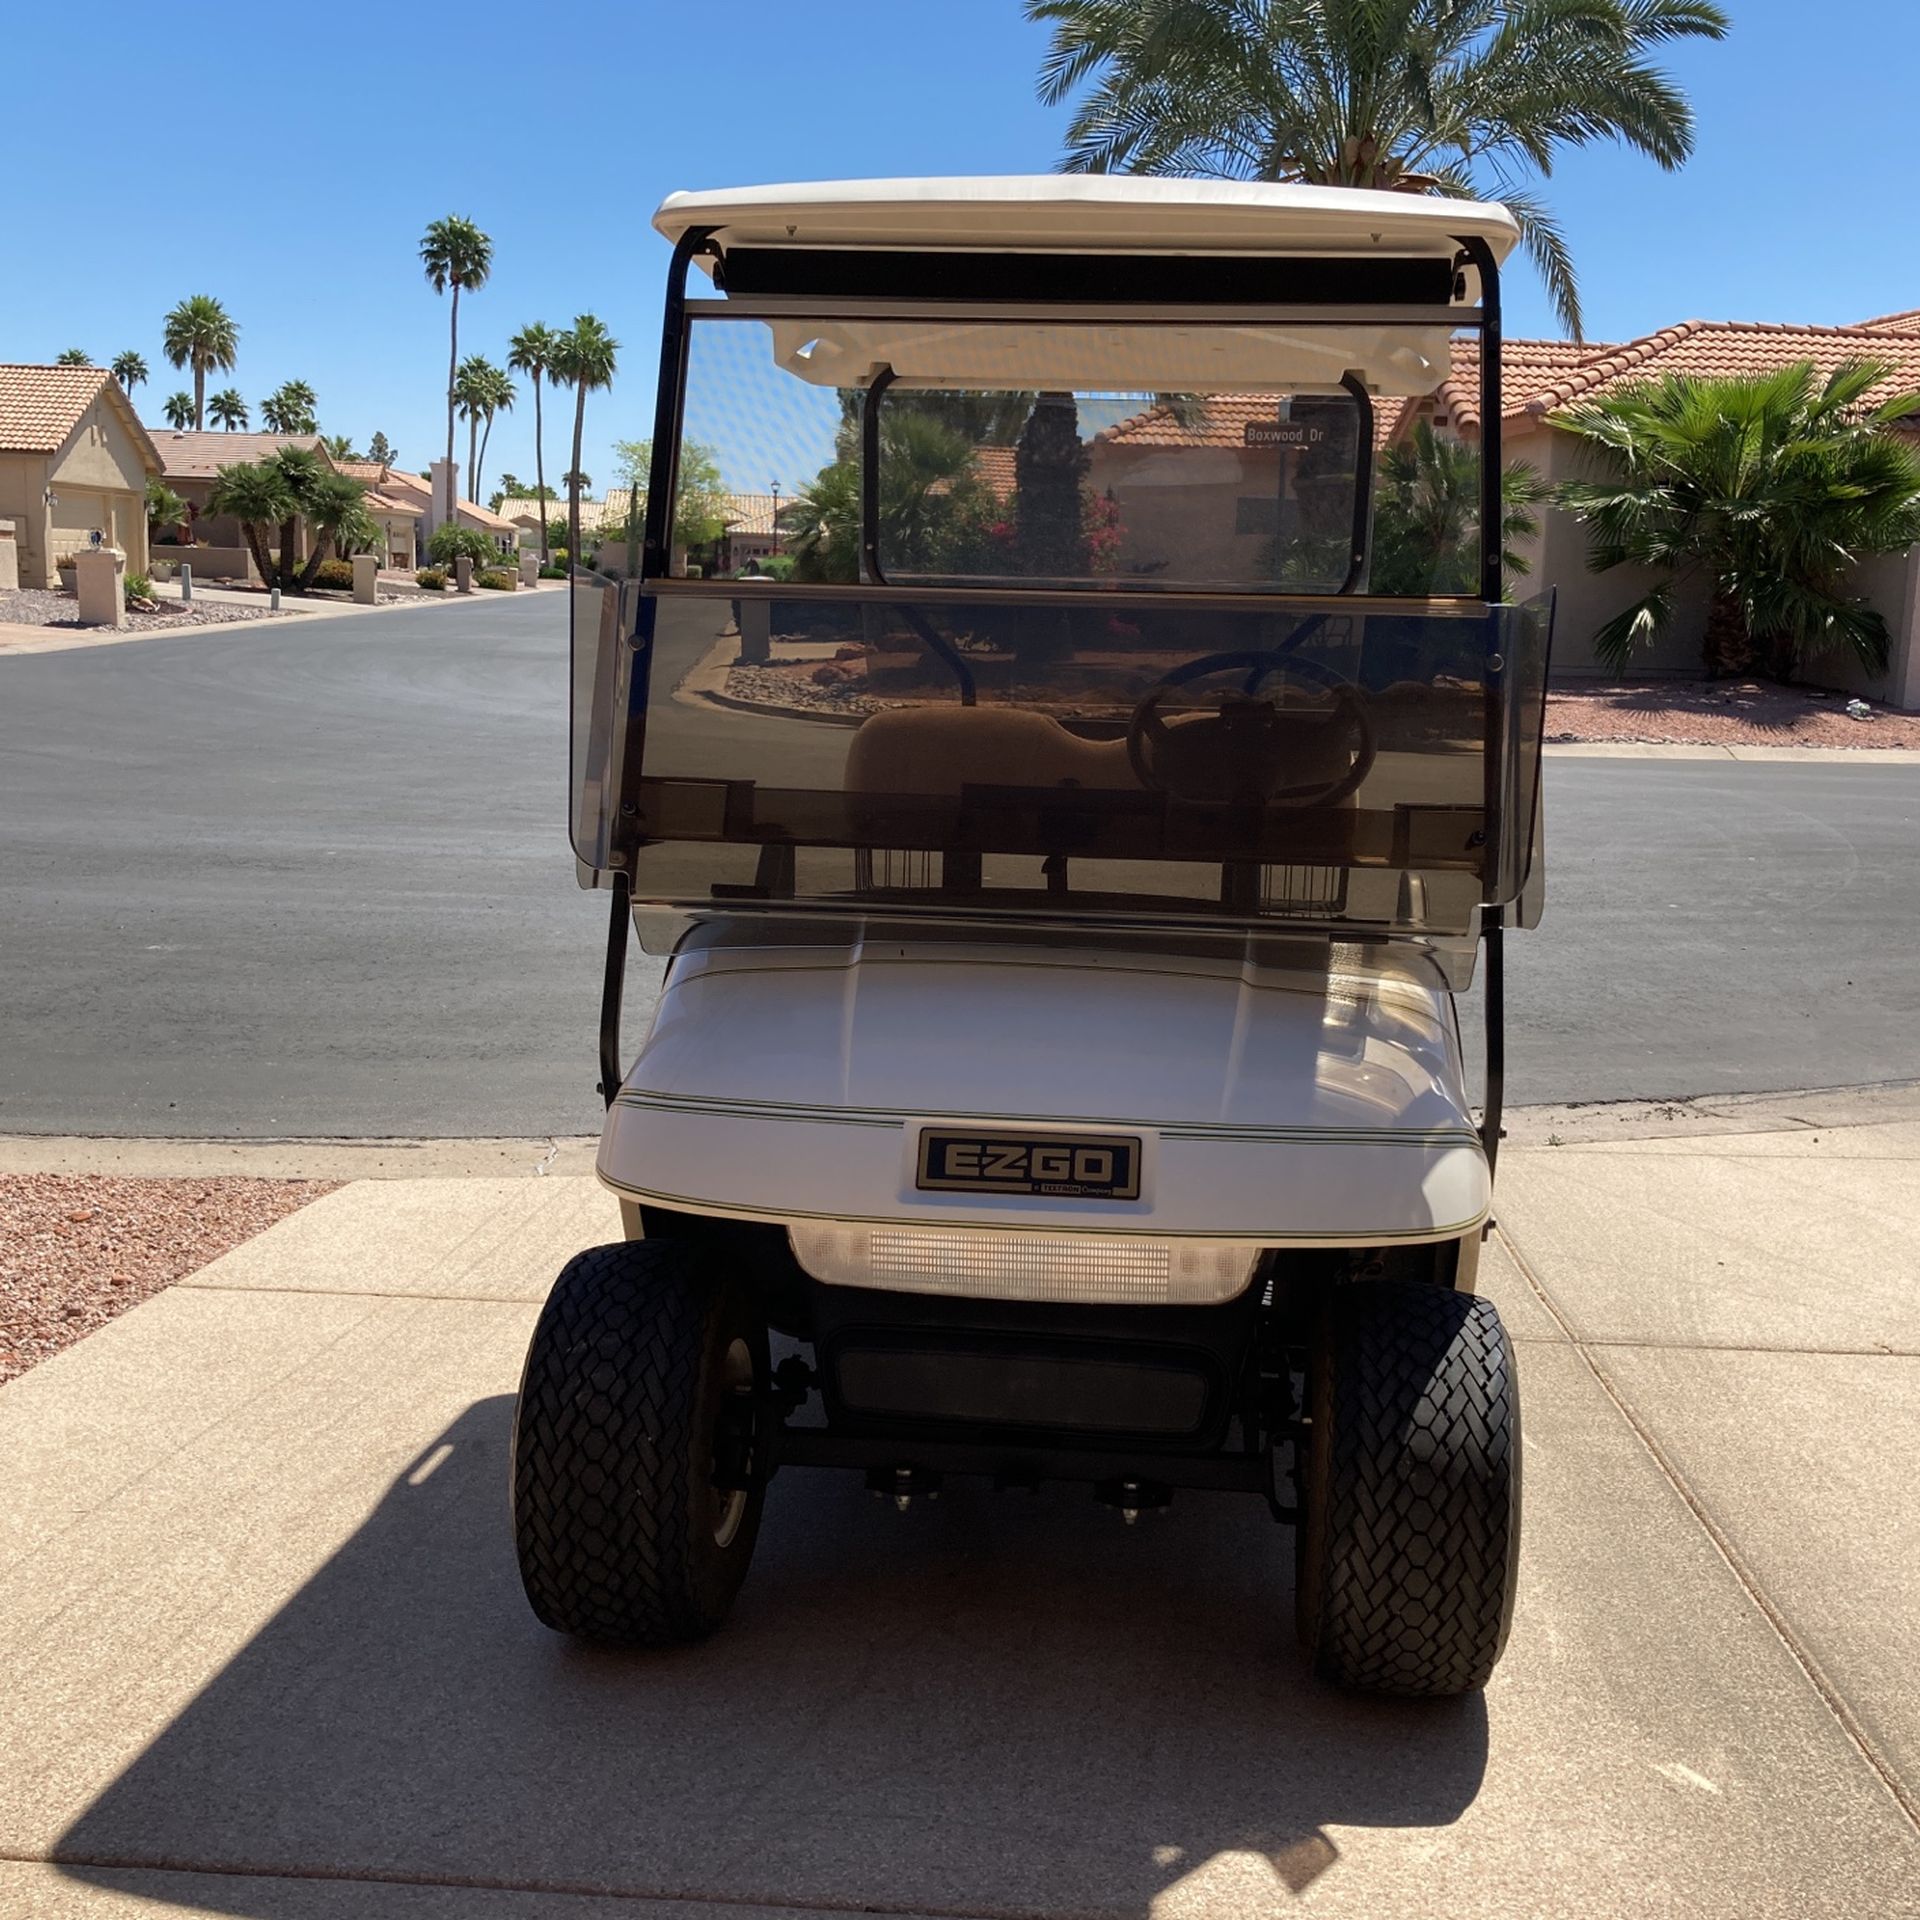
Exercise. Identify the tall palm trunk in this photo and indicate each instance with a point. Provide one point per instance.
(486, 434)
(453, 374)
(573, 485)
(539, 469)
(289, 534)
(473, 464)
(199, 393)
(255, 534)
(1728, 646)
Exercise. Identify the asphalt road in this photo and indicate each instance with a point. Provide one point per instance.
(314, 880)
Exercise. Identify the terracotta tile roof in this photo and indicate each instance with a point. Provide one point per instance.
(41, 406)
(485, 517)
(1908, 322)
(200, 456)
(379, 502)
(411, 484)
(1527, 368)
(1221, 422)
(1723, 349)
(994, 468)
(749, 512)
(373, 472)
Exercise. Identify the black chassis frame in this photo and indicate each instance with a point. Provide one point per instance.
(1264, 1409)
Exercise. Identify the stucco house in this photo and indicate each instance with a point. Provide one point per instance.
(411, 490)
(191, 463)
(74, 460)
(393, 510)
(1541, 377)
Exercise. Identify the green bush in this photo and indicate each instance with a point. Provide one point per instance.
(494, 579)
(432, 578)
(559, 557)
(139, 587)
(553, 573)
(334, 573)
(453, 542)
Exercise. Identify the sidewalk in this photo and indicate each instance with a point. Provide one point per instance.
(269, 1656)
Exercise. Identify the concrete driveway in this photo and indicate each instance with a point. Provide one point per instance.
(267, 1654)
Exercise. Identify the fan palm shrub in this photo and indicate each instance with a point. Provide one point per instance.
(200, 333)
(129, 369)
(178, 407)
(227, 410)
(1769, 488)
(1457, 97)
(74, 357)
(1426, 516)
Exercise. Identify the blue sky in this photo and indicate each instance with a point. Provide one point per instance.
(286, 162)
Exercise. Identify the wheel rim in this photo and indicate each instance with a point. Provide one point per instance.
(736, 1382)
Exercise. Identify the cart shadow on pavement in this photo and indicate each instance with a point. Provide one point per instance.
(994, 1703)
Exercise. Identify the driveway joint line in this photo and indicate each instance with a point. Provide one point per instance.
(1834, 1700)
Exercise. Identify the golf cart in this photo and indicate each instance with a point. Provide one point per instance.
(1067, 854)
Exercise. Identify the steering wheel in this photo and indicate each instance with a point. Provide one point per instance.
(1236, 754)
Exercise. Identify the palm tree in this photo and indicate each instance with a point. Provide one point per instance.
(200, 334)
(1771, 487)
(74, 357)
(1419, 96)
(289, 408)
(584, 358)
(334, 509)
(258, 495)
(129, 369)
(457, 255)
(470, 390)
(575, 477)
(531, 351)
(510, 487)
(1426, 516)
(339, 446)
(227, 409)
(178, 407)
(499, 394)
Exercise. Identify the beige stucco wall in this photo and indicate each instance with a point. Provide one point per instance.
(99, 481)
(23, 482)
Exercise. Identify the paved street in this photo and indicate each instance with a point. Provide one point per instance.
(267, 882)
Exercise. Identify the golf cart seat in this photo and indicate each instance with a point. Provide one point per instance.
(942, 749)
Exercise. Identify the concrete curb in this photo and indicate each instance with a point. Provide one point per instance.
(295, 1159)
(1821, 1109)
(1650, 750)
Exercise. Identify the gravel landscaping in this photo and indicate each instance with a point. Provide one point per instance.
(1724, 713)
(44, 607)
(78, 1248)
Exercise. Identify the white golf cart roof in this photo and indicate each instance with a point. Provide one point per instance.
(1106, 215)
(1080, 213)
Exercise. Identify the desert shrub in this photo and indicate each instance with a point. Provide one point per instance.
(553, 573)
(334, 573)
(453, 542)
(139, 587)
(494, 579)
(432, 578)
